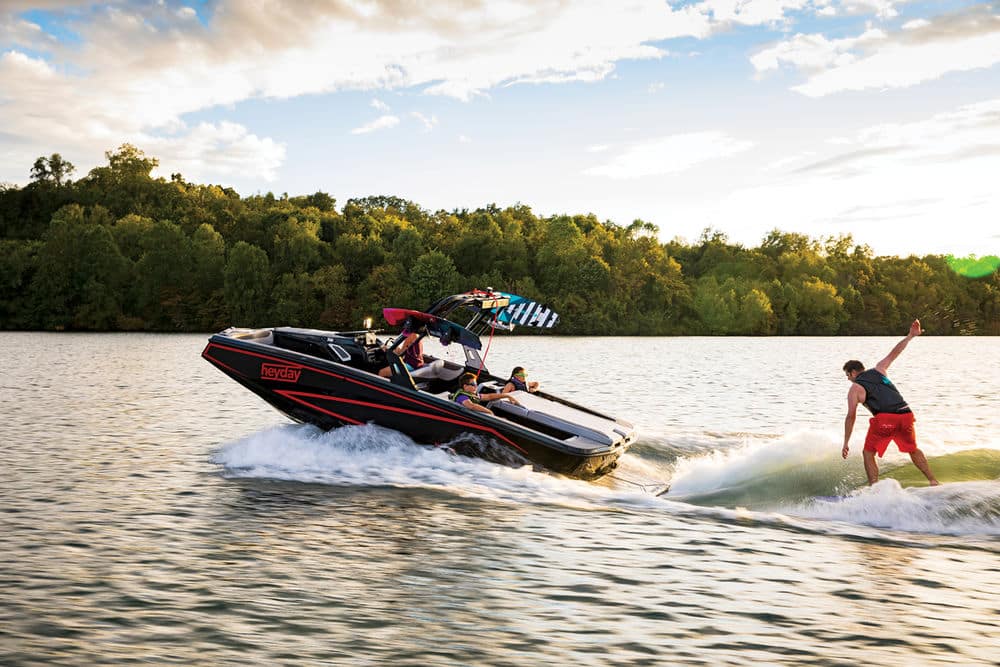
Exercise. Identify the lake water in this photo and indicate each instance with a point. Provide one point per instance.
(155, 512)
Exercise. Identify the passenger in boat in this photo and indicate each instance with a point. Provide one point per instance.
(519, 381)
(468, 397)
(411, 350)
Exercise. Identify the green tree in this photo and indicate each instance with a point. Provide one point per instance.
(208, 254)
(359, 255)
(330, 282)
(247, 284)
(385, 286)
(407, 247)
(297, 247)
(129, 233)
(812, 307)
(755, 315)
(127, 186)
(561, 254)
(80, 274)
(165, 277)
(433, 275)
(18, 262)
(717, 305)
(53, 169)
(294, 300)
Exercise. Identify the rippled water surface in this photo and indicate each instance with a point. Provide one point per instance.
(155, 512)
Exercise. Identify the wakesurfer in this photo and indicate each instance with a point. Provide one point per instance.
(892, 419)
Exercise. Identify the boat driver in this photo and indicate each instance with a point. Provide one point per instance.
(468, 397)
(411, 349)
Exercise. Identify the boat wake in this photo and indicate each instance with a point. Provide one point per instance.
(798, 480)
(803, 475)
(372, 456)
(957, 508)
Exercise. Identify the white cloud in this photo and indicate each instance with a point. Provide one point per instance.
(881, 8)
(915, 24)
(16, 31)
(139, 69)
(213, 149)
(891, 185)
(922, 51)
(380, 123)
(670, 154)
(814, 52)
(427, 122)
(751, 12)
(462, 139)
(138, 73)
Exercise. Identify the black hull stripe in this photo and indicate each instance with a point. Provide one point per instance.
(317, 370)
(298, 396)
(363, 384)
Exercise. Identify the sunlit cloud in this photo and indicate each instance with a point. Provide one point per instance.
(18, 32)
(150, 72)
(670, 154)
(140, 69)
(814, 53)
(893, 184)
(922, 51)
(751, 12)
(210, 149)
(380, 123)
(427, 121)
(882, 8)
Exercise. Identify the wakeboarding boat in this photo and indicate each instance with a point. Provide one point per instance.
(330, 379)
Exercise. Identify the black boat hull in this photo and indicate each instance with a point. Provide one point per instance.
(328, 395)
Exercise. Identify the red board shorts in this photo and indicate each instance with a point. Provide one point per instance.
(887, 426)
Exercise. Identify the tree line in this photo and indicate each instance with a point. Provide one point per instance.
(119, 250)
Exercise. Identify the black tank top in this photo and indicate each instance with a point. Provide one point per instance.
(881, 394)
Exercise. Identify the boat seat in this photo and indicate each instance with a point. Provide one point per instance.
(562, 417)
(427, 371)
(437, 369)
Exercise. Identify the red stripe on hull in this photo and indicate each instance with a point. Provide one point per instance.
(315, 370)
(295, 396)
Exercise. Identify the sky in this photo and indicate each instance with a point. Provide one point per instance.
(875, 118)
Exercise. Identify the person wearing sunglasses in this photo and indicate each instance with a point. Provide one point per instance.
(519, 381)
(892, 419)
(468, 397)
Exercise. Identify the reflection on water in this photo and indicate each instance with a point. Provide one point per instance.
(159, 513)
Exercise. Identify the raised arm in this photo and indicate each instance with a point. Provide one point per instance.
(915, 331)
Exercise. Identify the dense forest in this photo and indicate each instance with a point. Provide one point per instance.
(121, 250)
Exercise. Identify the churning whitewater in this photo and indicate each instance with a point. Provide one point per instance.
(755, 480)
